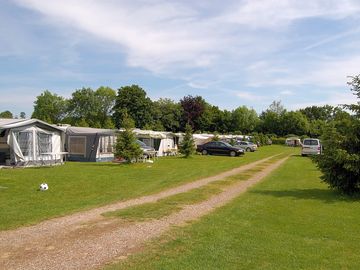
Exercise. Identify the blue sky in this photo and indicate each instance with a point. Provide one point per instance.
(232, 53)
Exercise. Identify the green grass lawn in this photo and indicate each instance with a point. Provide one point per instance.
(77, 186)
(289, 221)
(168, 205)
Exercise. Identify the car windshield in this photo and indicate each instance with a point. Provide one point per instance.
(311, 142)
(227, 144)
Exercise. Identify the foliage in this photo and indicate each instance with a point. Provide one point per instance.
(22, 115)
(216, 137)
(279, 141)
(270, 122)
(244, 120)
(105, 97)
(126, 146)
(192, 110)
(324, 113)
(50, 108)
(294, 122)
(340, 162)
(6, 114)
(92, 108)
(187, 146)
(316, 128)
(132, 100)
(260, 138)
(166, 114)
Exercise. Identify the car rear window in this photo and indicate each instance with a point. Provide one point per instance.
(311, 142)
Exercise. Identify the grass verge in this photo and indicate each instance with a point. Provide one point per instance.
(289, 221)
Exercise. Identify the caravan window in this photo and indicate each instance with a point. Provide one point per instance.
(107, 144)
(25, 141)
(44, 143)
(77, 145)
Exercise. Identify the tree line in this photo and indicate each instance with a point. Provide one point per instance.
(105, 108)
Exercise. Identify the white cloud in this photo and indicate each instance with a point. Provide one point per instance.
(328, 72)
(280, 13)
(154, 35)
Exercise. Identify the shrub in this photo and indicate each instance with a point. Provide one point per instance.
(280, 141)
(187, 146)
(126, 146)
(340, 162)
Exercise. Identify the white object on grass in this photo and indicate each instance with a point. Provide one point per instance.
(44, 187)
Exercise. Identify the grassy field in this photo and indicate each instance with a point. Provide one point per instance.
(168, 205)
(289, 221)
(77, 186)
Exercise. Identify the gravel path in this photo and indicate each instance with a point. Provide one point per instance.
(87, 240)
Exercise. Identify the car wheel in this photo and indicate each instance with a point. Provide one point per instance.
(248, 149)
(204, 152)
(232, 154)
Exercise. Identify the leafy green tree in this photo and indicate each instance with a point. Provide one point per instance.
(244, 119)
(133, 101)
(92, 108)
(126, 146)
(106, 100)
(6, 114)
(270, 123)
(271, 119)
(223, 121)
(166, 114)
(50, 108)
(316, 128)
(83, 108)
(324, 113)
(340, 162)
(294, 123)
(187, 146)
(22, 115)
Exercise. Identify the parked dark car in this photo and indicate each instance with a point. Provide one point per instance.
(219, 148)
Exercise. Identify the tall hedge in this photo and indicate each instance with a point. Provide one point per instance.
(340, 162)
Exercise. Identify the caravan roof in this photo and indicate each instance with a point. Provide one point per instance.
(14, 123)
(87, 131)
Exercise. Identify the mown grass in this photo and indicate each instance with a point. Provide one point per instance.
(289, 221)
(166, 206)
(79, 186)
